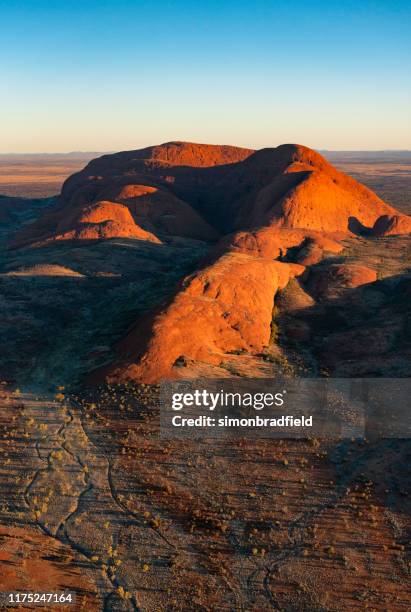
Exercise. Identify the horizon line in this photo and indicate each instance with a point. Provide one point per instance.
(112, 151)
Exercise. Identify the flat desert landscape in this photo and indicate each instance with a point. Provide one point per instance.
(38, 175)
(385, 172)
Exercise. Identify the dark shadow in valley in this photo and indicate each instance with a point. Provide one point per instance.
(64, 306)
(362, 332)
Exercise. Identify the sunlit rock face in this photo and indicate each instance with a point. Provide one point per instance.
(267, 216)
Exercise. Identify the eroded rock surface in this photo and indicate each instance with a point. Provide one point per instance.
(199, 191)
(224, 308)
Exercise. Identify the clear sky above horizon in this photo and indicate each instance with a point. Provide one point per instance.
(99, 75)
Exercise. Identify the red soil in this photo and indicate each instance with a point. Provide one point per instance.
(36, 563)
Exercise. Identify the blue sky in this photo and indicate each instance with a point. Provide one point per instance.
(121, 74)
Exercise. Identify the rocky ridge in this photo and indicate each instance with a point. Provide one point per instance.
(268, 215)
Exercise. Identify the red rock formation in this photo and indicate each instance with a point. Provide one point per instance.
(224, 308)
(295, 187)
(100, 220)
(285, 203)
(391, 225)
(326, 281)
(199, 191)
(274, 243)
(158, 210)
